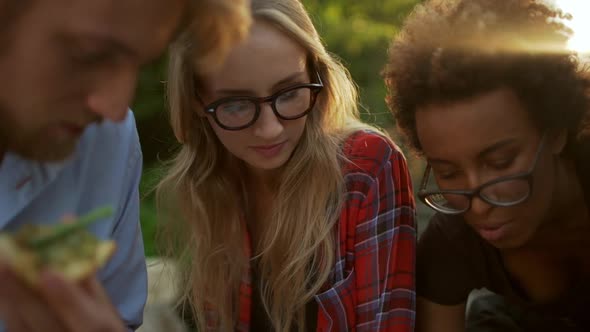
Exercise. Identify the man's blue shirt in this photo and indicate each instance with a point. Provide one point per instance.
(104, 170)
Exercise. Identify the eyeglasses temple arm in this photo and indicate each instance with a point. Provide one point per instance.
(425, 177)
(319, 78)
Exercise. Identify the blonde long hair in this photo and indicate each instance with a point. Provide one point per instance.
(297, 246)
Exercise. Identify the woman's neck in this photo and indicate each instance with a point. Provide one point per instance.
(570, 203)
(264, 181)
(569, 213)
(261, 190)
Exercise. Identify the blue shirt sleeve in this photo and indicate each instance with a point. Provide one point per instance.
(125, 276)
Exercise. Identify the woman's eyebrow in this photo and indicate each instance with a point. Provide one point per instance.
(289, 79)
(490, 149)
(496, 146)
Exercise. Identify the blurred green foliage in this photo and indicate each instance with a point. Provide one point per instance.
(357, 32)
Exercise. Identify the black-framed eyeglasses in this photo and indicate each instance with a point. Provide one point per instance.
(502, 192)
(239, 112)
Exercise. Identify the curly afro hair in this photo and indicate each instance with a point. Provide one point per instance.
(450, 50)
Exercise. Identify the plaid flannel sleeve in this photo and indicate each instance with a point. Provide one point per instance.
(374, 287)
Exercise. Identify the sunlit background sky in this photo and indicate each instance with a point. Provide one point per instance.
(580, 23)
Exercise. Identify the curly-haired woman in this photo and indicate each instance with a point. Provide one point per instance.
(490, 96)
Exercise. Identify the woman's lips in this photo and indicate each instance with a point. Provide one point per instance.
(269, 151)
(493, 233)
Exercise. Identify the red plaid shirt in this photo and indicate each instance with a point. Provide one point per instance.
(372, 285)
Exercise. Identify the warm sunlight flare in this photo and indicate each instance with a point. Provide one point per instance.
(580, 23)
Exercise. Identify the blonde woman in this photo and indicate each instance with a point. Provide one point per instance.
(293, 215)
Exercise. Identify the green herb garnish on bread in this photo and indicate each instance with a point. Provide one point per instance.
(66, 248)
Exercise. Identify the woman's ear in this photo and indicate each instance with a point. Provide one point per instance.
(197, 102)
(557, 140)
(198, 107)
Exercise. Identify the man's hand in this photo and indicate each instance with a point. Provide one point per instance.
(56, 306)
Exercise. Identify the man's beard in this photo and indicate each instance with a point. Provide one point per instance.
(32, 143)
(34, 147)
